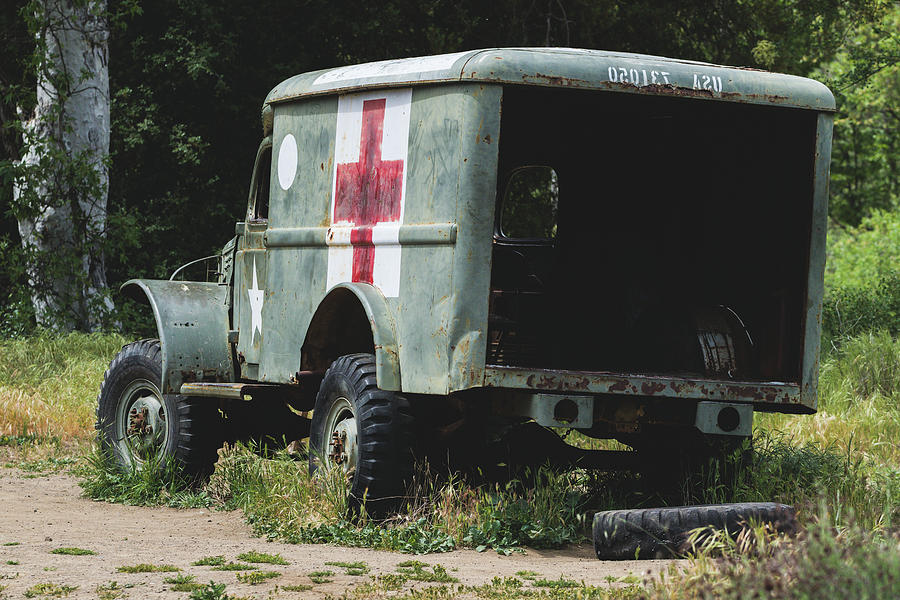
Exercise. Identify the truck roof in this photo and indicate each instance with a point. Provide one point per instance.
(568, 68)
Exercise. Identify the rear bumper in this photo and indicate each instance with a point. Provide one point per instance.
(768, 396)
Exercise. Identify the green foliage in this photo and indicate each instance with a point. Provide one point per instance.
(101, 479)
(71, 551)
(147, 568)
(261, 557)
(49, 590)
(321, 576)
(862, 278)
(211, 591)
(415, 570)
(821, 564)
(183, 583)
(235, 566)
(256, 577)
(209, 561)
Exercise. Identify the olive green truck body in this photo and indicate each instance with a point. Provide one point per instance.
(670, 254)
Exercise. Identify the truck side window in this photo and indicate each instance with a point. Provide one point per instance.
(260, 209)
(530, 204)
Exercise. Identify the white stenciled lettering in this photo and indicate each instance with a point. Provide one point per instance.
(712, 83)
(638, 76)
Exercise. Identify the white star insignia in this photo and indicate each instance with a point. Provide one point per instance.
(256, 304)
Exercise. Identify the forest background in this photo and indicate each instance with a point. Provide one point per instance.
(187, 78)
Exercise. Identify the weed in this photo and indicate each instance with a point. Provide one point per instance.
(350, 568)
(210, 561)
(148, 568)
(300, 587)
(210, 591)
(112, 590)
(12, 562)
(49, 590)
(235, 566)
(101, 479)
(562, 582)
(321, 576)
(12, 543)
(262, 557)
(527, 574)
(183, 583)
(72, 551)
(256, 577)
(418, 571)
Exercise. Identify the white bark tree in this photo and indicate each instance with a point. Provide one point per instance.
(61, 190)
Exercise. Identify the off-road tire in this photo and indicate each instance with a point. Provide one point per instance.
(384, 430)
(194, 434)
(662, 532)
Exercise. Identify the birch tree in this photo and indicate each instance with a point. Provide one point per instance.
(61, 181)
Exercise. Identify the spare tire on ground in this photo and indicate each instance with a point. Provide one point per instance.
(662, 532)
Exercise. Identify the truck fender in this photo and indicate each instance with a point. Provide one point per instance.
(381, 321)
(192, 322)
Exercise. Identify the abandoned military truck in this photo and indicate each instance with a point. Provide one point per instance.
(441, 250)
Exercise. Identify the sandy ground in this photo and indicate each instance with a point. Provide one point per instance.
(44, 513)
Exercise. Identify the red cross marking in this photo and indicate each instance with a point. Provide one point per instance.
(368, 192)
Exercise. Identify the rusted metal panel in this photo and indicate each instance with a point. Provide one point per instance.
(642, 385)
(192, 321)
(815, 282)
(569, 68)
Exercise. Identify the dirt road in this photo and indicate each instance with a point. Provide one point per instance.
(45, 513)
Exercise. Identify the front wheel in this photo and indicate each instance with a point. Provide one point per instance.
(142, 428)
(365, 432)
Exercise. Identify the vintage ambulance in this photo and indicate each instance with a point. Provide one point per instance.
(441, 250)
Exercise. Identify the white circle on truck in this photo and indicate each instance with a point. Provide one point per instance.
(287, 161)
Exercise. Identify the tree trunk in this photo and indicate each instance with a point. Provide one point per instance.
(62, 192)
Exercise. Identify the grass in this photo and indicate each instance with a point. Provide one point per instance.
(235, 566)
(256, 577)
(300, 587)
(49, 383)
(209, 561)
(321, 576)
(148, 568)
(415, 570)
(112, 590)
(71, 551)
(49, 590)
(183, 583)
(262, 557)
(355, 568)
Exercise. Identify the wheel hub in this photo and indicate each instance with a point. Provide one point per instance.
(342, 447)
(145, 423)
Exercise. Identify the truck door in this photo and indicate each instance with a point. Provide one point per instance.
(250, 287)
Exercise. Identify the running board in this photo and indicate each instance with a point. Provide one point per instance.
(232, 391)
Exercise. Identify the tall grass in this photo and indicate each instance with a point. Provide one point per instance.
(49, 383)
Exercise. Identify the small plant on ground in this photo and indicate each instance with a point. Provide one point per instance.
(418, 571)
(11, 543)
(12, 562)
(256, 577)
(209, 561)
(147, 568)
(235, 566)
(49, 590)
(527, 574)
(562, 582)
(112, 590)
(262, 557)
(72, 551)
(210, 591)
(321, 576)
(300, 587)
(350, 568)
(183, 583)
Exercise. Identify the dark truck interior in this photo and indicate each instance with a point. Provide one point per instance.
(647, 234)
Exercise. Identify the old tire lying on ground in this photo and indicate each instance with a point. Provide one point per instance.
(364, 431)
(662, 532)
(142, 428)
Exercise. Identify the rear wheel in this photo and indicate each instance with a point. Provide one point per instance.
(365, 432)
(142, 428)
